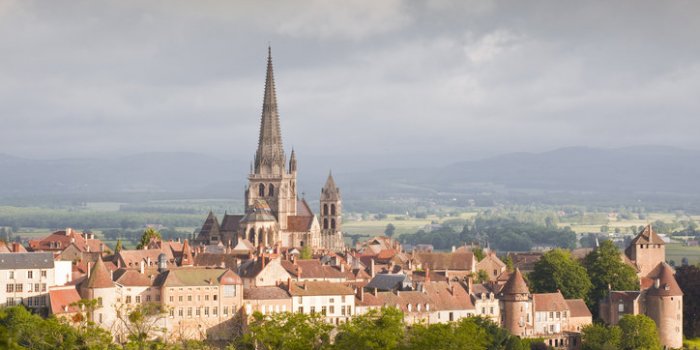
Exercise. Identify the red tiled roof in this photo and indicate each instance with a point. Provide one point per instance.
(61, 300)
(298, 223)
(317, 288)
(60, 240)
(446, 261)
(311, 269)
(100, 277)
(448, 296)
(578, 308)
(265, 293)
(667, 283)
(549, 302)
(516, 284)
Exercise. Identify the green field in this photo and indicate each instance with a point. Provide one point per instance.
(692, 344)
(677, 252)
(403, 225)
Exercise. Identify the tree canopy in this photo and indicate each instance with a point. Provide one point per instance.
(557, 270)
(606, 269)
(148, 234)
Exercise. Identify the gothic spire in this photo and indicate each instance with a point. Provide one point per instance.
(330, 190)
(270, 152)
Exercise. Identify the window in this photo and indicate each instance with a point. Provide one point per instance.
(261, 190)
(172, 299)
(452, 316)
(128, 299)
(331, 300)
(189, 312)
(226, 310)
(342, 311)
(148, 298)
(313, 309)
(332, 224)
(491, 311)
(349, 310)
(10, 288)
(323, 310)
(11, 274)
(325, 209)
(138, 299)
(172, 312)
(19, 287)
(331, 309)
(179, 298)
(30, 274)
(229, 291)
(179, 312)
(215, 311)
(301, 309)
(342, 299)
(206, 297)
(271, 192)
(189, 298)
(206, 311)
(214, 297)
(332, 209)
(621, 307)
(37, 287)
(198, 311)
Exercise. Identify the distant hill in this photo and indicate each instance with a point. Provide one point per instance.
(652, 170)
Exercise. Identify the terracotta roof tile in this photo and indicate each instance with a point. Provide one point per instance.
(61, 300)
(667, 283)
(265, 293)
(100, 277)
(516, 284)
(578, 308)
(549, 302)
(316, 288)
(446, 261)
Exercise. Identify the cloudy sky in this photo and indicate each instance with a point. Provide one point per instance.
(443, 79)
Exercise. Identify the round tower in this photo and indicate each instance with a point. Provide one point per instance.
(664, 302)
(515, 298)
(99, 286)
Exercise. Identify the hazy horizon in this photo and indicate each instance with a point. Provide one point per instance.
(420, 81)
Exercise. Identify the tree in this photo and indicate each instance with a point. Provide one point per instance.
(478, 253)
(148, 234)
(390, 230)
(509, 263)
(597, 336)
(481, 276)
(606, 269)
(288, 331)
(465, 334)
(375, 330)
(639, 333)
(141, 324)
(118, 248)
(688, 278)
(557, 270)
(306, 252)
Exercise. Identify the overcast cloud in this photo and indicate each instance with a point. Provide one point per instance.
(447, 78)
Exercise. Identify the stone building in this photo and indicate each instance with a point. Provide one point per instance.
(25, 279)
(659, 297)
(274, 215)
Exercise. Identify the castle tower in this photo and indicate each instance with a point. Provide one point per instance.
(664, 302)
(331, 215)
(99, 286)
(515, 297)
(647, 250)
(270, 180)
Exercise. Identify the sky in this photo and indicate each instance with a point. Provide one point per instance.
(410, 81)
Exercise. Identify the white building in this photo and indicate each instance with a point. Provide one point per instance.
(26, 278)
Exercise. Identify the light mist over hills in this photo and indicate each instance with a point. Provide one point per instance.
(643, 170)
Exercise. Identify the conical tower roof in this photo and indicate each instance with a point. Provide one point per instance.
(647, 236)
(100, 276)
(667, 283)
(330, 191)
(270, 150)
(516, 284)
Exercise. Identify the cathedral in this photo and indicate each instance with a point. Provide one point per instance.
(274, 214)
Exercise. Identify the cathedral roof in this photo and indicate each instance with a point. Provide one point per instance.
(210, 227)
(516, 284)
(270, 151)
(259, 211)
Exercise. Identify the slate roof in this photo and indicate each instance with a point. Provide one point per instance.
(387, 282)
(20, 261)
(265, 293)
(230, 223)
(330, 191)
(211, 259)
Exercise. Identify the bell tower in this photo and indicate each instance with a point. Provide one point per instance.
(331, 215)
(270, 180)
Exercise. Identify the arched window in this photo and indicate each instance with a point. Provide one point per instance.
(332, 209)
(261, 190)
(260, 236)
(251, 235)
(272, 190)
(325, 224)
(333, 224)
(325, 209)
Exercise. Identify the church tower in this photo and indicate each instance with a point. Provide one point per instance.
(270, 180)
(331, 219)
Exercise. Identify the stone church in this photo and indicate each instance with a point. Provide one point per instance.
(275, 216)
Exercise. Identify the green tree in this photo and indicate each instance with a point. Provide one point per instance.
(142, 324)
(481, 276)
(639, 333)
(688, 278)
(606, 269)
(390, 230)
(599, 337)
(118, 248)
(288, 331)
(478, 253)
(375, 330)
(148, 234)
(558, 270)
(465, 334)
(509, 263)
(306, 252)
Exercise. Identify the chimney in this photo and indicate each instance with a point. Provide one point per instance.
(304, 285)
(289, 284)
(119, 263)
(362, 294)
(148, 260)
(427, 275)
(141, 269)
(454, 248)
(342, 267)
(374, 291)
(102, 247)
(298, 272)
(69, 231)
(371, 268)
(657, 283)
(89, 267)
(469, 284)
(262, 258)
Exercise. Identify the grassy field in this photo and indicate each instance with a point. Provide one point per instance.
(692, 344)
(403, 225)
(622, 224)
(677, 252)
